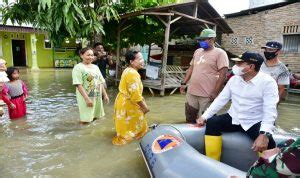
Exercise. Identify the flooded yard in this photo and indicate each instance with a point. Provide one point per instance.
(50, 141)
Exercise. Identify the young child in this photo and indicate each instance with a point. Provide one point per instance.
(14, 94)
(3, 79)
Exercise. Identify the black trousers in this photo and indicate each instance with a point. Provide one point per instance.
(223, 123)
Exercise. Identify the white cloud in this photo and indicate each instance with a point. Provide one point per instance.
(229, 6)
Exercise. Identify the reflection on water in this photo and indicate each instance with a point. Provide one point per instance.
(51, 142)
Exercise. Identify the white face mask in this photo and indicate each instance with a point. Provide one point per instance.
(238, 70)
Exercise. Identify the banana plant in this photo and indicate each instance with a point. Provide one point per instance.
(61, 18)
(72, 18)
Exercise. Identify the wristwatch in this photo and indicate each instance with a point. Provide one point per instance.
(268, 134)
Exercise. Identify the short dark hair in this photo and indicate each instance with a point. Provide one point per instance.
(258, 63)
(83, 50)
(257, 66)
(97, 44)
(10, 71)
(252, 58)
(130, 55)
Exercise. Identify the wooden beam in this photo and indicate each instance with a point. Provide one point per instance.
(174, 31)
(125, 28)
(162, 21)
(174, 20)
(214, 19)
(133, 14)
(215, 28)
(195, 12)
(188, 22)
(156, 9)
(194, 18)
(151, 91)
(165, 56)
(173, 91)
(157, 13)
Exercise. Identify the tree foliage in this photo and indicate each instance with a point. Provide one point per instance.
(137, 30)
(61, 18)
(84, 18)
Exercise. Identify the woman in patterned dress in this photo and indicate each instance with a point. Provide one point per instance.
(89, 87)
(130, 107)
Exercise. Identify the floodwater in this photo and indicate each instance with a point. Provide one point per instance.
(51, 143)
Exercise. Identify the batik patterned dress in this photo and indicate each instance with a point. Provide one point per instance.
(15, 93)
(3, 79)
(3, 75)
(89, 76)
(130, 121)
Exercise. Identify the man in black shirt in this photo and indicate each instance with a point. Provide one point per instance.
(102, 58)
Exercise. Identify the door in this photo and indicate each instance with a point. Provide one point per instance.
(19, 55)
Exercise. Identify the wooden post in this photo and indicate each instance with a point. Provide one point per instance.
(193, 18)
(195, 13)
(165, 56)
(118, 51)
(215, 28)
(149, 52)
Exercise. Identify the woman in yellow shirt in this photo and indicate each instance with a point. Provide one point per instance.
(130, 107)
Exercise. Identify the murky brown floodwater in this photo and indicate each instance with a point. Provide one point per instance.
(50, 142)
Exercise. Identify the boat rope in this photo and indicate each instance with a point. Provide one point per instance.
(174, 128)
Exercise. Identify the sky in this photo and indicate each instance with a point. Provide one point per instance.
(229, 6)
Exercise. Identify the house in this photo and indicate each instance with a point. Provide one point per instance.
(254, 27)
(25, 46)
(29, 47)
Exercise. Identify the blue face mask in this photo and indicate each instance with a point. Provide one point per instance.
(204, 45)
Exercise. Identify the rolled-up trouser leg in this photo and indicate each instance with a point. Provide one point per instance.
(191, 113)
(191, 108)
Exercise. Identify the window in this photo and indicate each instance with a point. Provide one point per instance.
(47, 44)
(291, 43)
(248, 40)
(234, 40)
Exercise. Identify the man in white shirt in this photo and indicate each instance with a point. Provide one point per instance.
(254, 96)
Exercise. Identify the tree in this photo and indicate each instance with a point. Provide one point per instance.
(137, 30)
(61, 18)
(80, 18)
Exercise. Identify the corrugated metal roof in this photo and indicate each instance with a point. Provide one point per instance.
(257, 9)
(20, 29)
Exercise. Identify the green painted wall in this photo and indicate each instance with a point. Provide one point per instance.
(44, 56)
(6, 48)
(28, 50)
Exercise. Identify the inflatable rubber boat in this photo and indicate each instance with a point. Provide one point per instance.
(177, 150)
